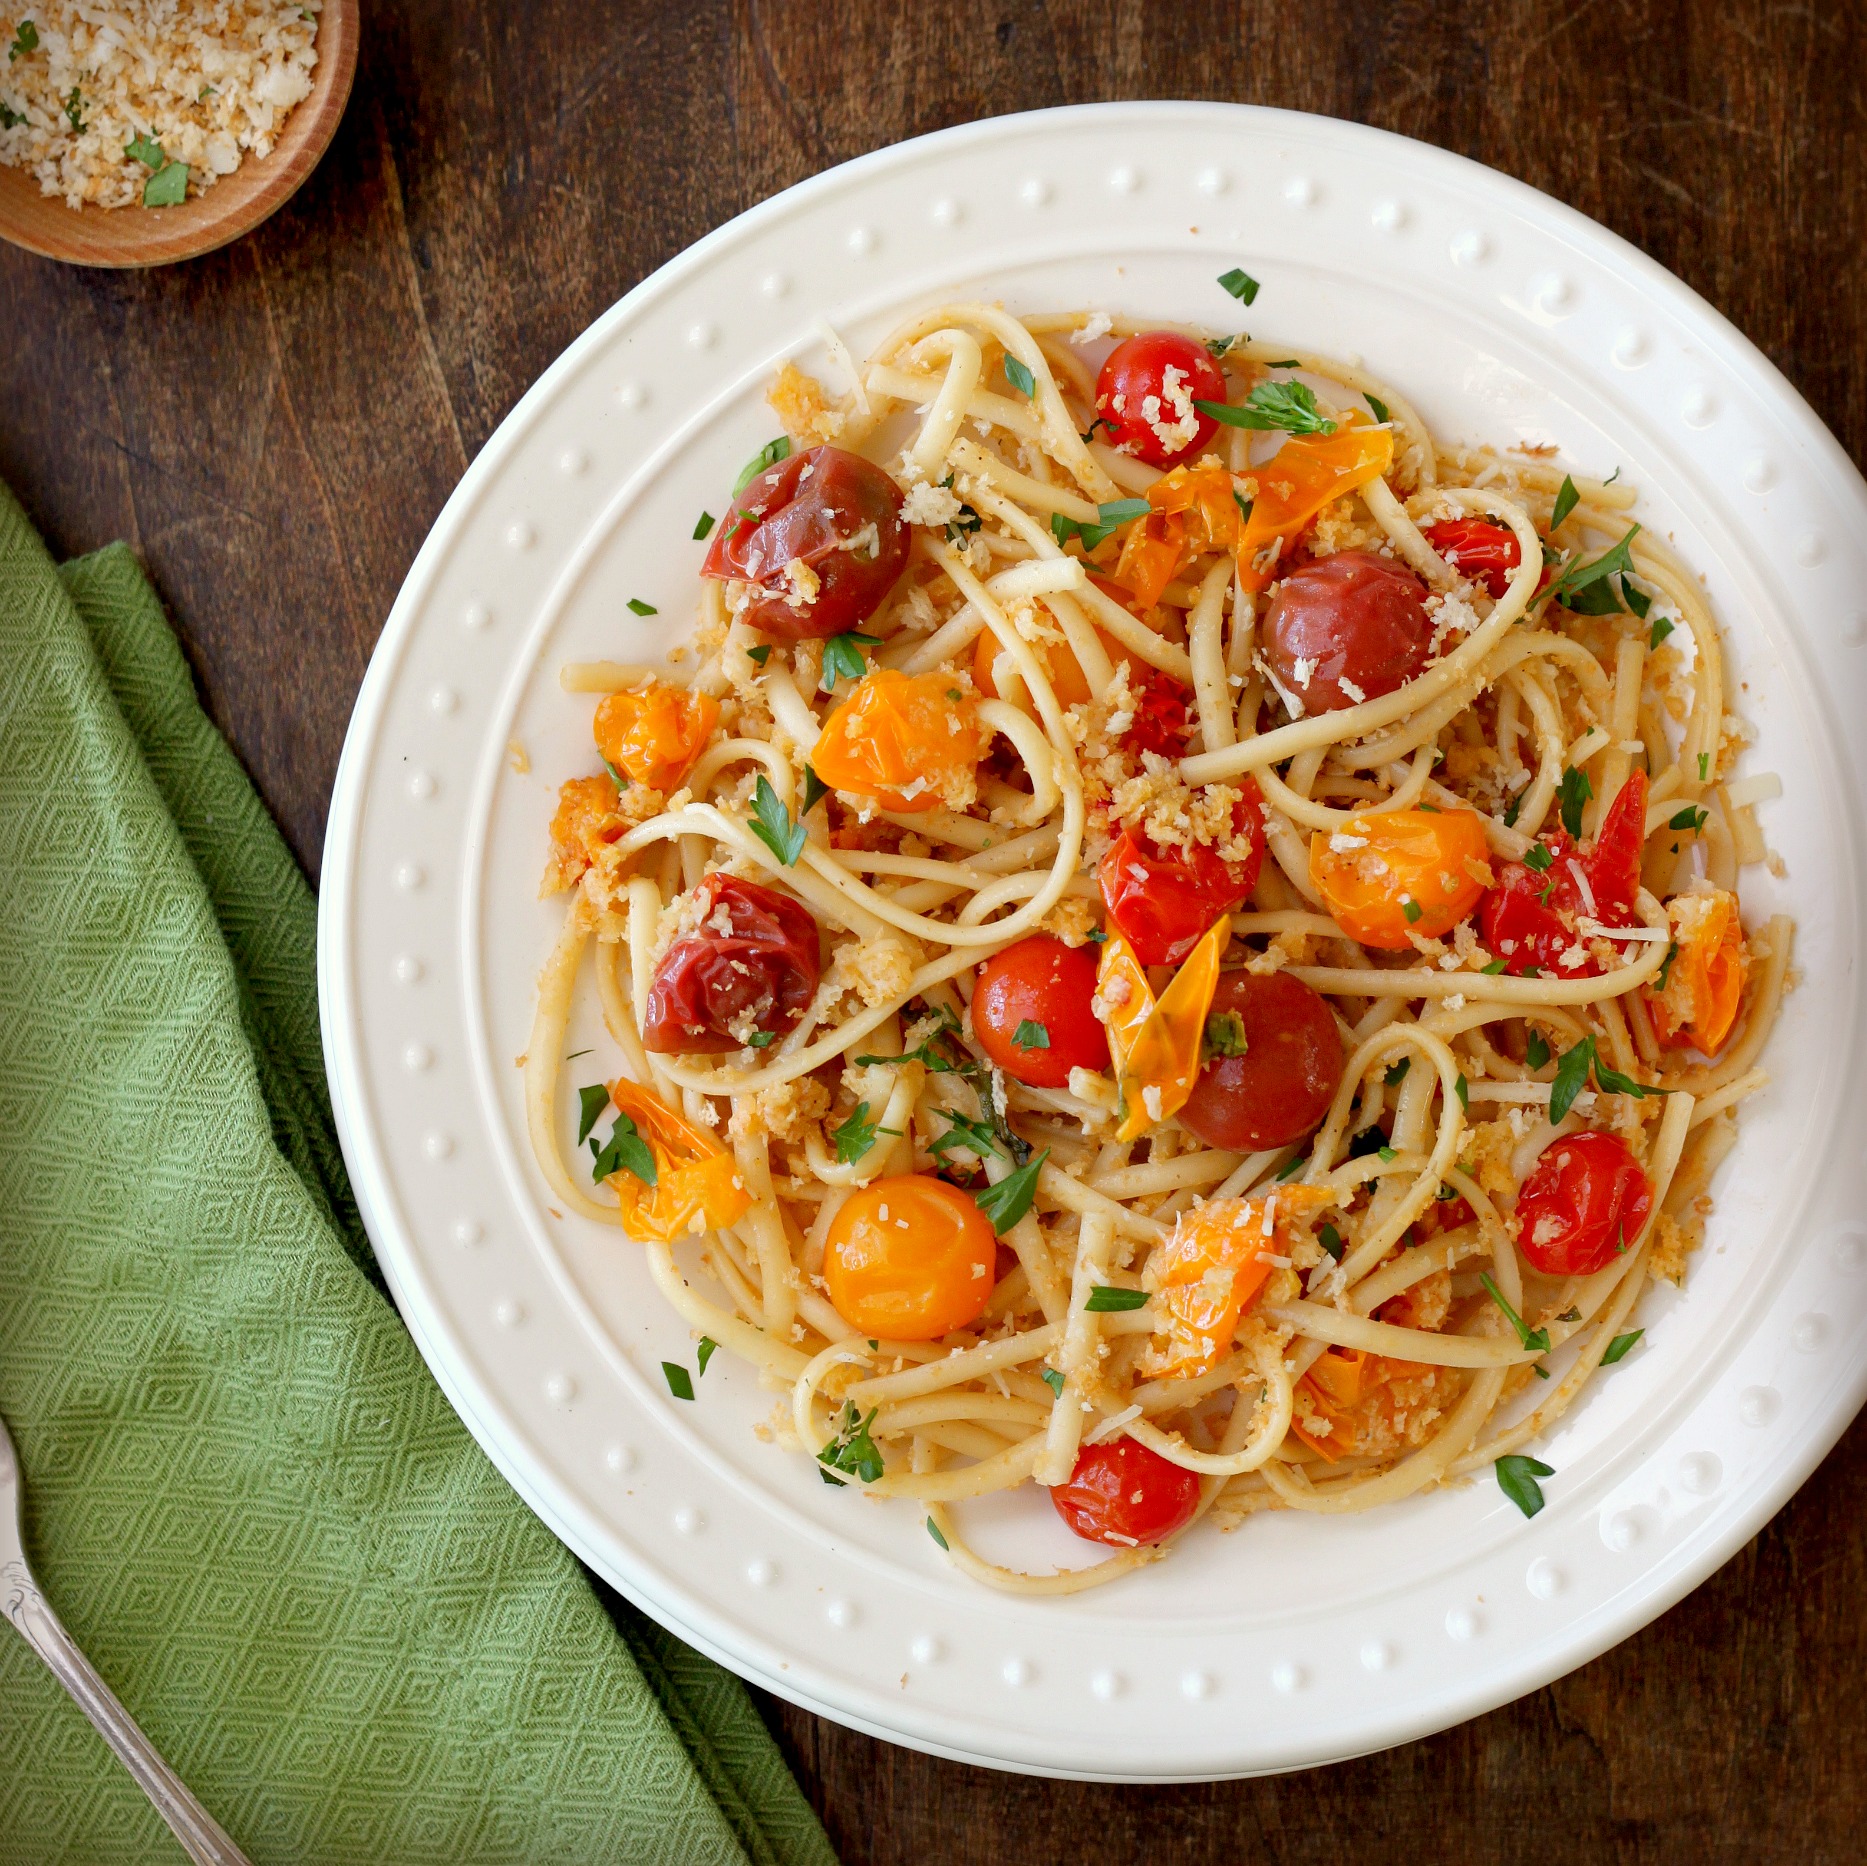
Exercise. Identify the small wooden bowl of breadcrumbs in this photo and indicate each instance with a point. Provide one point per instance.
(170, 129)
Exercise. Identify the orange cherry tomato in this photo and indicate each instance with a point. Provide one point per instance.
(585, 822)
(1386, 874)
(697, 1184)
(1705, 983)
(653, 734)
(899, 739)
(1305, 473)
(1067, 679)
(909, 1258)
(1356, 1396)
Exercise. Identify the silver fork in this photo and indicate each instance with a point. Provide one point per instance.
(200, 1834)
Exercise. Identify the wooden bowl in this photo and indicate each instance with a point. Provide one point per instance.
(237, 203)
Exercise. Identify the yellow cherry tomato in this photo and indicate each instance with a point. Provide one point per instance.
(653, 734)
(1067, 679)
(1386, 874)
(1156, 1045)
(909, 1258)
(1705, 983)
(697, 1184)
(900, 739)
(1304, 475)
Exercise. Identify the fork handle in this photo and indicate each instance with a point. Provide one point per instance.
(201, 1836)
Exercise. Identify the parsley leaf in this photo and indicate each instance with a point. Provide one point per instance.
(1571, 1078)
(767, 456)
(1689, 818)
(843, 659)
(1053, 1379)
(25, 39)
(708, 1347)
(1411, 909)
(760, 655)
(1618, 1348)
(1331, 1240)
(774, 827)
(1576, 791)
(959, 529)
(1008, 1201)
(1661, 628)
(815, 790)
(10, 119)
(1240, 284)
(625, 1151)
(1639, 603)
(592, 1100)
(762, 1039)
(1224, 1035)
(1290, 406)
(74, 111)
(1493, 969)
(1567, 499)
(856, 1135)
(1463, 1093)
(1397, 1072)
(933, 1529)
(1666, 965)
(1538, 857)
(1244, 506)
(1019, 376)
(1516, 1477)
(1110, 518)
(1102, 421)
(1579, 578)
(1536, 1050)
(1380, 408)
(1110, 1299)
(1292, 1166)
(640, 608)
(965, 1135)
(1513, 810)
(1535, 1339)
(852, 1450)
(146, 150)
(680, 1381)
(1031, 1035)
(1612, 1082)
(704, 526)
(942, 1053)
(1217, 346)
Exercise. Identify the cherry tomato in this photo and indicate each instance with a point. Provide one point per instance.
(909, 1258)
(1705, 985)
(1479, 550)
(1532, 916)
(1146, 391)
(1162, 900)
(1284, 1082)
(1586, 1200)
(653, 734)
(1040, 981)
(900, 739)
(1163, 719)
(1345, 629)
(1389, 874)
(833, 515)
(752, 964)
(1122, 1493)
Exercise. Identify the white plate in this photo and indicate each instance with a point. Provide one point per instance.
(1295, 1640)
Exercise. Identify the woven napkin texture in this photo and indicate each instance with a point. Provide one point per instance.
(245, 1496)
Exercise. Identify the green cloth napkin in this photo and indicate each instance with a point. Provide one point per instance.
(245, 1496)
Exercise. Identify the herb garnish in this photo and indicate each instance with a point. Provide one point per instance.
(1380, 408)
(1567, 499)
(1639, 603)
(815, 790)
(74, 111)
(1217, 347)
(1666, 965)
(1576, 791)
(1331, 1241)
(1535, 1050)
(774, 827)
(1102, 421)
(857, 1135)
(1110, 518)
(1053, 1379)
(852, 1450)
(1689, 818)
(1535, 1339)
(1112, 1299)
(640, 608)
(1704, 767)
(1008, 1201)
(1224, 1035)
(592, 1100)
(761, 1039)
(1513, 810)
(146, 150)
(767, 456)
(1290, 406)
(1580, 578)
(1463, 1093)
(25, 39)
(843, 659)
(1619, 1347)
(1538, 857)
(1397, 1072)
(680, 1381)
(1411, 908)
(1572, 1074)
(704, 526)
(940, 1052)
(966, 1135)
(1493, 969)
(1019, 376)
(707, 1347)
(933, 1529)
(760, 655)
(1662, 627)
(1240, 284)
(1031, 1035)
(1516, 1477)
(625, 1151)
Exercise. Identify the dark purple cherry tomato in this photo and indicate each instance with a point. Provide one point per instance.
(834, 516)
(1146, 391)
(751, 965)
(1345, 629)
(1283, 1083)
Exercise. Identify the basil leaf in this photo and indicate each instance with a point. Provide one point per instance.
(1240, 284)
(1031, 1035)
(680, 1381)
(773, 826)
(1619, 1347)
(1107, 1299)
(1516, 1477)
(1567, 499)
(1008, 1201)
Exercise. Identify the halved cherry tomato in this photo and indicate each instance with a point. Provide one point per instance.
(653, 734)
(899, 739)
(751, 965)
(820, 538)
(1124, 1494)
(1163, 716)
(1585, 1201)
(1345, 629)
(1705, 982)
(1162, 900)
(1532, 916)
(586, 821)
(1478, 550)
(1146, 391)
(1155, 1041)
(909, 1258)
(1286, 1077)
(697, 1185)
(1387, 874)
(1040, 981)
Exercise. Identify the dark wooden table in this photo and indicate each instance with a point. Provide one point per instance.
(275, 427)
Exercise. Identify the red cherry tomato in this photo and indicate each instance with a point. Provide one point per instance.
(1586, 1199)
(1284, 1082)
(1347, 628)
(1162, 900)
(1122, 1493)
(1163, 720)
(1040, 980)
(1146, 391)
(1531, 917)
(1479, 550)
(835, 514)
(752, 964)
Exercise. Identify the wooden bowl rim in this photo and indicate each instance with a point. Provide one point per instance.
(237, 203)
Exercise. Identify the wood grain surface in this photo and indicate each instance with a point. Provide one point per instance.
(275, 426)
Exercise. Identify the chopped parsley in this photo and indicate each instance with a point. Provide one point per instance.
(1019, 376)
(705, 525)
(1576, 791)
(760, 655)
(1640, 604)
(1244, 506)
(640, 608)
(1102, 421)
(618, 778)
(767, 456)
(10, 119)
(1619, 1347)
(1388, 1155)
(1224, 1035)
(1008, 1201)
(966, 1135)
(1567, 499)
(851, 1453)
(942, 1053)
(773, 826)
(1513, 810)
(1535, 1339)
(1666, 965)
(762, 1039)
(146, 150)
(707, 1348)
(1516, 1477)
(1538, 857)
(843, 659)
(1031, 1035)
(1411, 909)
(933, 1529)
(1240, 284)
(815, 790)
(1689, 818)
(1536, 1050)
(1704, 767)
(1573, 588)
(1572, 1076)
(1380, 408)
(25, 39)
(74, 111)
(625, 1151)
(1662, 627)
(592, 1101)
(1397, 1072)
(1053, 1379)
(680, 1381)
(1111, 1299)
(1110, 518)
(1463, 1093)
(1493, 969)
(1331, 1241)
(857, 1135)
(959, 529)
(1290, 406)
(1291, 1167)
(167, 187)
(1217, 347)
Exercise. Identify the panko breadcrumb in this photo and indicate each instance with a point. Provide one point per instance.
(210, 81)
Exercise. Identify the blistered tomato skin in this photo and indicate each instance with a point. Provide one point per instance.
(1478, 550)
(1281, 1087)
(1146, 411)
(1387, 876)
(909, 1258)
(1162, 900)
(1585, 1201)
(835, 516)
(1123, 1494)
(1040, 980)
(1345, 629)
(752, 965)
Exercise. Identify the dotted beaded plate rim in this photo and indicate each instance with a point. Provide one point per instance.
(855, 1620)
